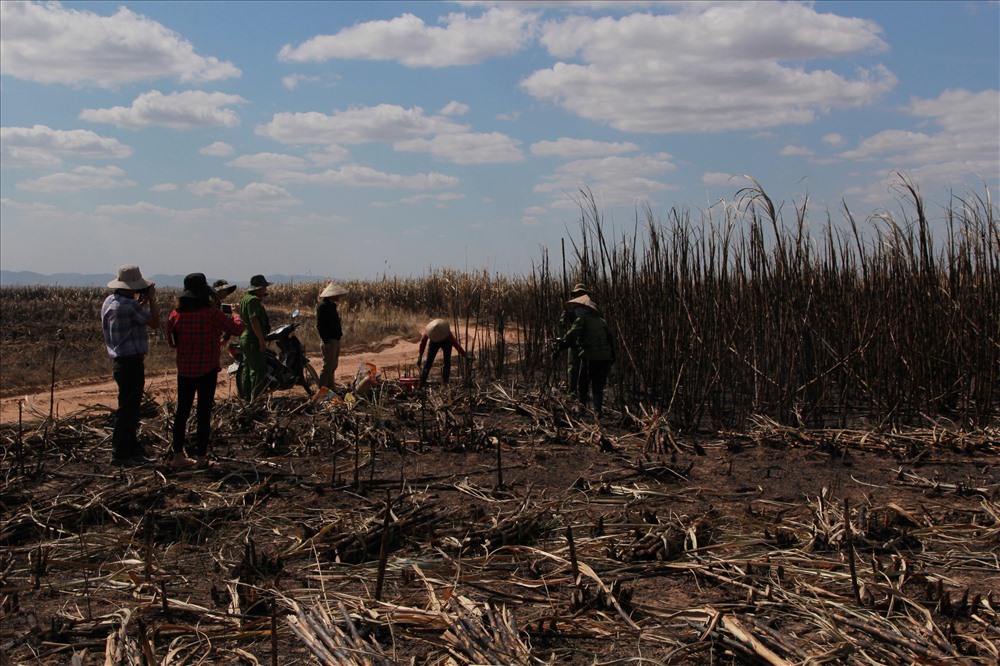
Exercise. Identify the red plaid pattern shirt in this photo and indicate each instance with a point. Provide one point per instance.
(196, 335)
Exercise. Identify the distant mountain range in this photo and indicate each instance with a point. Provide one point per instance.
(28, 278)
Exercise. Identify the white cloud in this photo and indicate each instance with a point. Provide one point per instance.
(796, 151)
(454, 108)
(467, 148)
(616, 180)
(575, 148)
(79, 179)
(183, 110)
(385, 122)
(217, 149)
(711, 67)
(362, 176)
(212, 187)
(33, 207)
(439, 199)
(253, 195)
(41, 146)
(331, 155)
(292, 81)
(463, 40)
(833, 139)
(49, 43)
(164, 187)
(262, 195)
(139, 208)
(513, 115)
(966, 145)
(268, 162)
(718, 178)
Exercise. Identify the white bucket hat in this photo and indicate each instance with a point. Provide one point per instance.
(129, 277)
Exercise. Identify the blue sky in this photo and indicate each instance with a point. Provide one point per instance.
(351, 139)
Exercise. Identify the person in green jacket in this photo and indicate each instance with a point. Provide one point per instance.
(253, 341)
(566, 320)
(591, 336)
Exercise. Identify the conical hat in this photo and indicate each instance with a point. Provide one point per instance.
(332, 289)
(438, 330)
(585, 300)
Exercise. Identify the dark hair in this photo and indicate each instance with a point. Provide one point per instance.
(189, 303)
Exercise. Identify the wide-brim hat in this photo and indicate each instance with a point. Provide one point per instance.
(223, 288)
(585, 300)
(579, 289)
(258, 282)
(332, 290)
(129, 277)
(197, 285)
(438, 330)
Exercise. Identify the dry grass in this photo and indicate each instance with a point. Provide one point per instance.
(891, 320)
(714, 517)
(718, 321)
(490, 524)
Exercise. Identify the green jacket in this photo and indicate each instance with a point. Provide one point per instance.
(592, 336)
(250, 307)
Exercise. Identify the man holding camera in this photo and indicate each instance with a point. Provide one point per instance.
(125, 316)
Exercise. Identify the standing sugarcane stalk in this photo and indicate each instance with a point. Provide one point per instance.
(383, 554)
(52, 383)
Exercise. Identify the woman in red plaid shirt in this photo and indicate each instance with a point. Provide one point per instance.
(194, 330)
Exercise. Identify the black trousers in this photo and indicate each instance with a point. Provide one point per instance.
(130, 375)
(187, 388)
(593, 378)
(432, 350)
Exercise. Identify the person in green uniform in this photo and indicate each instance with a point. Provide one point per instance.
(253, 341)
(566, 320)
(591, 335)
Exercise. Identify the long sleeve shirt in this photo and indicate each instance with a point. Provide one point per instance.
(591, 334)
(328, 322)
(123, 320)
(195, 335)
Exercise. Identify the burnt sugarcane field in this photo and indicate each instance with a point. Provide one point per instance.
(797, 462)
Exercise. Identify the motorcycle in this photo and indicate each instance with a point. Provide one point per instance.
(286, 368)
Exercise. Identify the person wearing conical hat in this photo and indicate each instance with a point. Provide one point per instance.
(437, 337)
(591, 336)
(565, 324)
(330, 330)
(125, 316)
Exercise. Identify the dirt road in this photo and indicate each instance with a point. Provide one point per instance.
(394, 357)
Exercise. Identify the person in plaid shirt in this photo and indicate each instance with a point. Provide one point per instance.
(125, 316)
(194, 329)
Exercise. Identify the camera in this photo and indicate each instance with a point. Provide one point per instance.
(227, 308)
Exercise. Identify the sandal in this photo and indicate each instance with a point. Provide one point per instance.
(182, 463)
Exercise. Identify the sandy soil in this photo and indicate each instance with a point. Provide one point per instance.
(394, 357)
